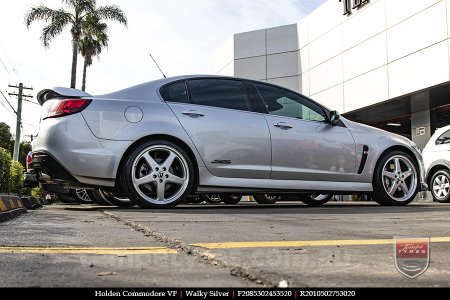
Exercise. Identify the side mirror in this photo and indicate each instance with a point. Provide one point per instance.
(334, 118)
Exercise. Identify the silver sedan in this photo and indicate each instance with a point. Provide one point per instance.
(160, 141)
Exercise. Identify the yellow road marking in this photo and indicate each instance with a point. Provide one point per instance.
(235, 245)
(2, 206)
(87, 250)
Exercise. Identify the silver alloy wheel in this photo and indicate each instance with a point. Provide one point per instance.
(272, 197)
(319, 197)
(441, 187)
(82, 194)
(399, 178)
(160, 174)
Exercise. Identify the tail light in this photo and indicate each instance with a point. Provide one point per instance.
(66, 107)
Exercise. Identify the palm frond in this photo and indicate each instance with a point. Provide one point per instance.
(38, 13)
(111, 12)
(81, 6)
(60, 19)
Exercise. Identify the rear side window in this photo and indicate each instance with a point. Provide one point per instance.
(223, 93)
(444, 138)
(175, 92)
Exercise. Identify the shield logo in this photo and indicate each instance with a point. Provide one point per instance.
(412, 255)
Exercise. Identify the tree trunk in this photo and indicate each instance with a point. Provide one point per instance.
(83, 86)
(73, 79)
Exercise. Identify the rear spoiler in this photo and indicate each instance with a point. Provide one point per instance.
(56, 92)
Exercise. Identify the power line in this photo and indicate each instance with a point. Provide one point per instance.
(31, 102)
(9, 60)
(1, 61)
(9, 103)
(7, 109)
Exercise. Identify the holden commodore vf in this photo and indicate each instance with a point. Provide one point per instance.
(160, 141)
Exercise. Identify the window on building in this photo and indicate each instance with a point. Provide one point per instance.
(283, 103)
(224, 93)
(175, 92)
(444, 138)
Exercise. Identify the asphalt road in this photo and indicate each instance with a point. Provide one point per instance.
(342, 244)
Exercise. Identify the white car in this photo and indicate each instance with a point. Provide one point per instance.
(436, 157)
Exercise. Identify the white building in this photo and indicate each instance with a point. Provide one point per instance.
(384, 62)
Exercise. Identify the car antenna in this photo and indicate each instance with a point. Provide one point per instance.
(157, 65)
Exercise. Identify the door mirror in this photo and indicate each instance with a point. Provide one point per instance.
(334, 118)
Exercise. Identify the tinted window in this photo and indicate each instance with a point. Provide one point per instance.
(176, 92)
(219, 93)
(283, 103)
(444, 138)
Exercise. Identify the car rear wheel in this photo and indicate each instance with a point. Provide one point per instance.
(266, 198)
(211, 198)
(315, 199)
(440, 186)
(396, 179)
(81, 196)
(101, 195)
(65, 198)
(158, 174)
(230, 199)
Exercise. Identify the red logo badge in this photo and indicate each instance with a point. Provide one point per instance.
(412, 255)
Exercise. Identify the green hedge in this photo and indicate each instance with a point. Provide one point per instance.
(16, 177)
(5, 169)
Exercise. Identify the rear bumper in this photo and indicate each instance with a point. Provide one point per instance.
(44, 164)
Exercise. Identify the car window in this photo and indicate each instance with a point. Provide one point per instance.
(175, 92)
(283, 103)
(444, 138)
(223, 93)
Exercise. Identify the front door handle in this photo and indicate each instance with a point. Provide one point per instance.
(282, 125)
(193, 113)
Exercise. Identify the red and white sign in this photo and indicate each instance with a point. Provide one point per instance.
(412, 255)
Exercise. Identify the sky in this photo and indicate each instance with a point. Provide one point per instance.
(182, 35)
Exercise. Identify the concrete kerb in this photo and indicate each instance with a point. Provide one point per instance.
(10, 207)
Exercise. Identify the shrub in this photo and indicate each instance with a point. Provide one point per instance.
(37, 192)
(16, 177)
(5, 166)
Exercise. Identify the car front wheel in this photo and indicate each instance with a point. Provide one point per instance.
(440, 186)
(315, 199)
(266, 198)
(396, 179)
(158, 174)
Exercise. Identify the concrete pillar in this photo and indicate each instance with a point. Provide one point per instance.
(420, 118)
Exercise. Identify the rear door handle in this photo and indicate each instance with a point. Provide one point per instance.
(282, 125)
(192, 113)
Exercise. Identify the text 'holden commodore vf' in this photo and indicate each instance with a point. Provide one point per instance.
(160, 141)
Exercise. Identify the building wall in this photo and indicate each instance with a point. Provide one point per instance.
(385, 49)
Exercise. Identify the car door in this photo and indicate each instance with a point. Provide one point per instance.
(232, 140)
(304, 145)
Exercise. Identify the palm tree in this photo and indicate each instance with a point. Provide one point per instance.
(60, 18)
(94, 39)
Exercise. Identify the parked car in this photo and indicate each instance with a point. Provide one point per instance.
(161, 141)
(436, 156)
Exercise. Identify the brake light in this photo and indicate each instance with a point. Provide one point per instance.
(66, 107)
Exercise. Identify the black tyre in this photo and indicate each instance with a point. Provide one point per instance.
(266, 198)
(230, 199)
(396, 179)
(81, 196)
(108, 197)
(157, 174)
(440, 186)
(65, 198)
(211, 198)
(315, 199)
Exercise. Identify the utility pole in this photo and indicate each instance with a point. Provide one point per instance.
(20, 97)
